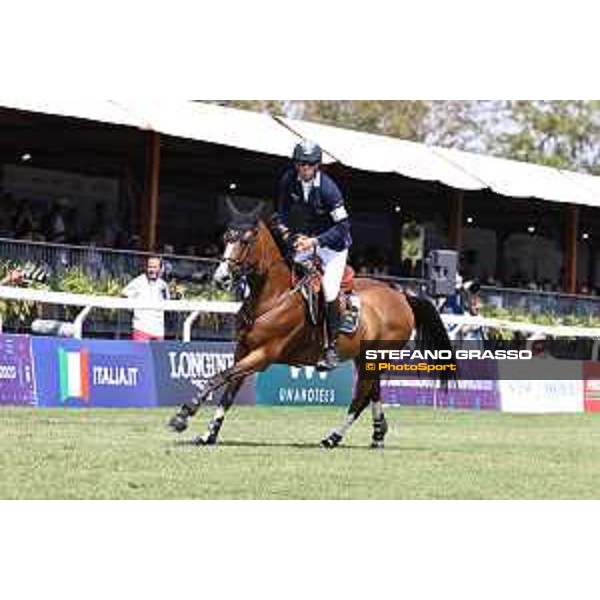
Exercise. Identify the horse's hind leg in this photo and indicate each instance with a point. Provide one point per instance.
(362, 397)
(211, 435)
(380, 426)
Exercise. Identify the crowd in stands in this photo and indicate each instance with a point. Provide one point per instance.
(373, 262)
(59, 222)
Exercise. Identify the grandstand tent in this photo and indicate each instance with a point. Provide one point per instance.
(158, 148)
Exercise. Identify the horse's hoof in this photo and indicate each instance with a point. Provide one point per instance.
(332, 441)
(377, 445)
(178, 423)
(205, 440)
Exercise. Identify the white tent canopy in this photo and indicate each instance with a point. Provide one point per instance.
(241, 129)
(258, 132)
(524, 180)
(382, 154)
(103, 111)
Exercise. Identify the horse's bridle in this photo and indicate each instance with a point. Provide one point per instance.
(243, 269)
(240, 263)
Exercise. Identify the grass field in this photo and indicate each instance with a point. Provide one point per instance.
(272, 453)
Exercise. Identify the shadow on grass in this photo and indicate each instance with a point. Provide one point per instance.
(294, 445)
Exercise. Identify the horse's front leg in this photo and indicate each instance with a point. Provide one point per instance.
(255, 361)
(211, 435)
(179, 421)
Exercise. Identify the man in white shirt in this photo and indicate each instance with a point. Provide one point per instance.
(149, 286)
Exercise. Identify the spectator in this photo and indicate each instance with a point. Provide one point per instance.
(102, 233)
(22, 224)
(14, 276)
(93, 263)
(55, 229)
(6, 210)
(148, 324)
(72, 226)
(167, 265)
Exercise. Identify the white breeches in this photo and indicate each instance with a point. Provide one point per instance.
(333, 269)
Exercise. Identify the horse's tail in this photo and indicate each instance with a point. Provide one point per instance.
(431, 333)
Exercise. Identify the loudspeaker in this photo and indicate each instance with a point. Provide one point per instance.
(440, 272)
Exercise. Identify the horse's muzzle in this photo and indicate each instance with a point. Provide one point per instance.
(223, 282)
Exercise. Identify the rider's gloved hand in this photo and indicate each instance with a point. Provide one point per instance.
(304, 243)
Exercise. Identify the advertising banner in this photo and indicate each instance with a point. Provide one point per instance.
(539, 395)
(93, 373)
(181, 370)
(17, 381)
(478, 390)
(591, 377)
(282, 385)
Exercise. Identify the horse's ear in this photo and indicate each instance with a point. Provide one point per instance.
(256, 213)
(235, 213)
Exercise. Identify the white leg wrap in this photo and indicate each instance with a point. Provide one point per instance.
(377, 409)
(219, 412)
(345, 425)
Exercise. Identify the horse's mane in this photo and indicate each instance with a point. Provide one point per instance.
(285, 248)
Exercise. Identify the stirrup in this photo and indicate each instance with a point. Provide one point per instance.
(329, 361)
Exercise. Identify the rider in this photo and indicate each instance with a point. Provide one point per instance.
(325, 230)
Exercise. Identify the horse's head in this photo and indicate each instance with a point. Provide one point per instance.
(240, 256)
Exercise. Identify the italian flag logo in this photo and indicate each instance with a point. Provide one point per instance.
(74, 374)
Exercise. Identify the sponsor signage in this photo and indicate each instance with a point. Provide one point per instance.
(17, 381)
(540, 396)
(182, 370)
(93, 373)
(282, 385)
(591, 377)
(538, 393)
(477, 391)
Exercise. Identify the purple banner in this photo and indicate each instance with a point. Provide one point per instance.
(468, 393)
(17, 381)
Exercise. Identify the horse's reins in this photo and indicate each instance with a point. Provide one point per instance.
(244, 271)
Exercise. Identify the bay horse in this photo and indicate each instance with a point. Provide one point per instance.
(273, 327)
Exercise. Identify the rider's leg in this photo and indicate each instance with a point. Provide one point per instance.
(334, 264)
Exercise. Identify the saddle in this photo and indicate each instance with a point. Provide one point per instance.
(307, 278)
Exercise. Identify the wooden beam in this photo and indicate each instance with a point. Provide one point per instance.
(150, 202)
(570, 262)
(455, 220)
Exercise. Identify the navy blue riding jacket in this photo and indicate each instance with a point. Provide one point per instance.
(322, 215)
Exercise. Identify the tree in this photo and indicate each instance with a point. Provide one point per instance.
(405, 119)
(558, 133)
(465, 124)
(276, 107)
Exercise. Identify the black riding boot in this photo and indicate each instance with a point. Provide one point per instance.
(330, 359)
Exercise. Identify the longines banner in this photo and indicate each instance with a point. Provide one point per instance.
(283, 385)
(181, 371)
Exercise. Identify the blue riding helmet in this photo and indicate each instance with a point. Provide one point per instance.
(307, 151)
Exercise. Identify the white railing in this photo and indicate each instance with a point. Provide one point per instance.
(531, 328)
(87, 303)
(197, 307)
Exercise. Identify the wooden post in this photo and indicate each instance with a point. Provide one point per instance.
(591, 274)
(570, 262)
(396, 259)
(455, 220)
(150, 202)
